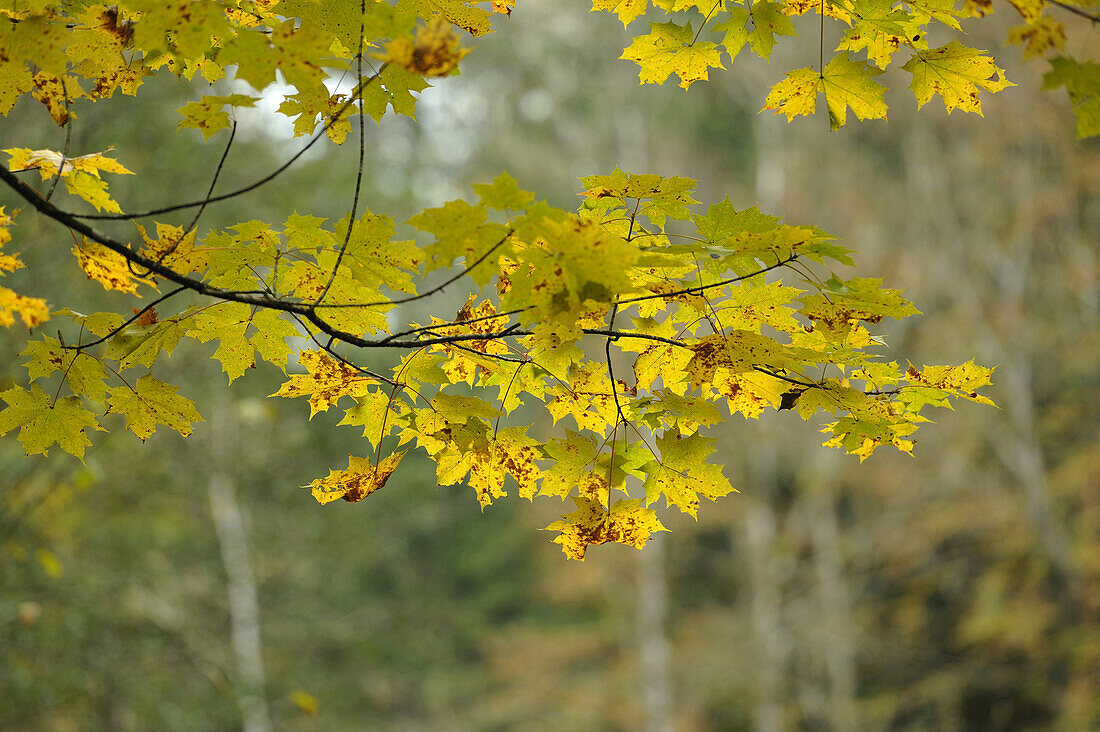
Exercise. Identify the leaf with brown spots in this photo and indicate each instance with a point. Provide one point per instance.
(107, 267)
(628, 522)
(325, 381)
(955, 72)
(357, 481)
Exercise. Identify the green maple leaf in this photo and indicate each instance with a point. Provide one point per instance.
(682, 474)
(42, 424)
(1082, 82)
(669, 49)
(139, 345)
(460, 230)
(503, 194)
(84, 375)
(152, 402)
(227, 322)
(208, 114)
(845, 84)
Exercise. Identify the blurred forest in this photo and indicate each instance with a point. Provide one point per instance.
(192, 584)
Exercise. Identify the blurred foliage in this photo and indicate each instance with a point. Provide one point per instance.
(957, 590)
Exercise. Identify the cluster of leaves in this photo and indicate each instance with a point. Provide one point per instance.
(709, 336)
(875, 29)
(519, 390)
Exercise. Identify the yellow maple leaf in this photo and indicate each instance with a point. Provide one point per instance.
(954, 72)
(107, 267)
(1038, 38)
(32, 310)
(359, 480)
(628, 522)
(668, 49)
(435, 52)
(325, 382)
(627, 10)
(845, 84)
(80, 174)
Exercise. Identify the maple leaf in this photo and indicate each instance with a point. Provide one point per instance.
(435, 52)
(1038, 38)
(627, 10)
(1082, 82)
(954, 72)
(208, 114)
(768, 22)
(881, 28)
(359, 480)
(503, 194)
(151, 402)
(325, 381)
(83, 373)
(511, 452)
(682, 474)
(844, 82)
(963, 380)
(378, 414)
(141, 345)
(670, 48)
(463, 13)
(107, 267)
(80, 174)
(32, 310)
(628, 522)
(43, 424)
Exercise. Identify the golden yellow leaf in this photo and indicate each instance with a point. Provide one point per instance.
(359, 480)
(107, 267)
(954, 72)
(435, 52)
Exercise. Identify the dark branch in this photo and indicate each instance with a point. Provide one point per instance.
(122, 327)
(1076, 11)
(240, 191)
(703, 288)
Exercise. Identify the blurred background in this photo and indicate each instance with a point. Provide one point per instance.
(193, 584)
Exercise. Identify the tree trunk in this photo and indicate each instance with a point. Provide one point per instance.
(244, 608)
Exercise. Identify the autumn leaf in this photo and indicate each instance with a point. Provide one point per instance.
(81, 174)
(670, 48)
(42, 423)
(955, 72)
(107, 267)
(32, 310)
(325, 381)
(844, 82)
(151, 402)
(208, 114)
(628, 522)
(682, 474)
(1082, 82)
(435, 51)
(627, 10)
(359, 480)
